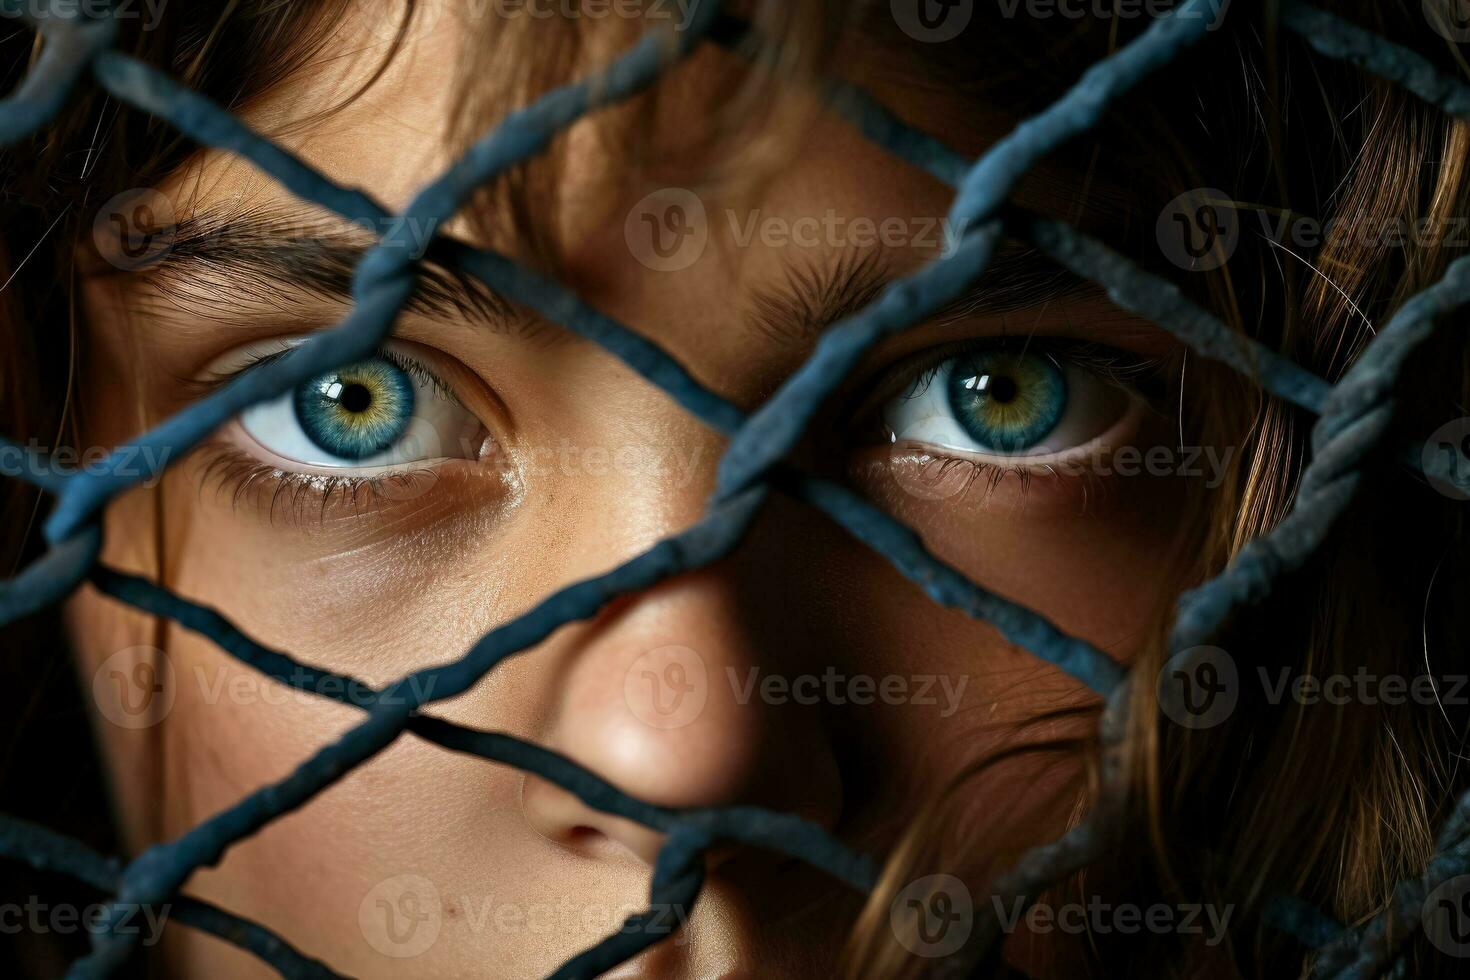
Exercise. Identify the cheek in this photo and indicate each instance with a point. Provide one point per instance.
(1093, 554)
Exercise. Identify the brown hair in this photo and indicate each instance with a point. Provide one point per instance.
(1330, 803)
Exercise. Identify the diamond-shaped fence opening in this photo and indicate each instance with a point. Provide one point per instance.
(1354, 416)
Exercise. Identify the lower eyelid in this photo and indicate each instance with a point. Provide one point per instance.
(1044, 464)
(430, 490)
(238, 437)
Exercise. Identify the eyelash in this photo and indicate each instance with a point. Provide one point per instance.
(1115, 366)
(1145, 375)
(235, 470)
(218, 379)
(305, 493)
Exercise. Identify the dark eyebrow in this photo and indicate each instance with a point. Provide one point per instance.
(260, 253)
(813, 295)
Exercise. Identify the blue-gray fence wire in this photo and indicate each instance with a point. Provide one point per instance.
(1353, 421)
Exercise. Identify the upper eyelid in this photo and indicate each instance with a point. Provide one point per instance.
(414, 366)
(922, 365)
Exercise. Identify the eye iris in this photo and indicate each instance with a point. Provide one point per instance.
(357, 411)
(1007, 402)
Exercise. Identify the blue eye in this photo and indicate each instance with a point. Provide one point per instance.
(357, 411)
(388, 410)
(1006, 402)
(999, 402)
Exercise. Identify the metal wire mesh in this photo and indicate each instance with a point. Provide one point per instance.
(1354, 417)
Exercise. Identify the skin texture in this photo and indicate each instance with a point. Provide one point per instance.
(524, 875)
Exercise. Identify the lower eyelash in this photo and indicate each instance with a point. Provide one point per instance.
(936, 467)
(300, 498)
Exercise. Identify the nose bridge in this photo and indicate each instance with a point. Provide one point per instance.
(654, 697)
(609, 485)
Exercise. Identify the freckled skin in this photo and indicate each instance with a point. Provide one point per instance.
(525, 875)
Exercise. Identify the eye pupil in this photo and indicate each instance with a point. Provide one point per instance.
(1007, 402)
(358, 411)
(1001, 388)
(355, 398)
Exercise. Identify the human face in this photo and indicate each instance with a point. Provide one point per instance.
(831, 686)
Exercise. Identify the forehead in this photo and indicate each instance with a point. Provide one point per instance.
(393, 135)
(833, 195)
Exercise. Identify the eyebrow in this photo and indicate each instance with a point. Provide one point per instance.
(812, 296)
(260, 252)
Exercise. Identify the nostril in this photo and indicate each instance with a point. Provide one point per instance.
(582, 836)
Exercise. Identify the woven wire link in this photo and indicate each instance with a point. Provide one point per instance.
(1354, 417)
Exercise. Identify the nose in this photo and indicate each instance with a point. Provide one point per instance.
(661, 696)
